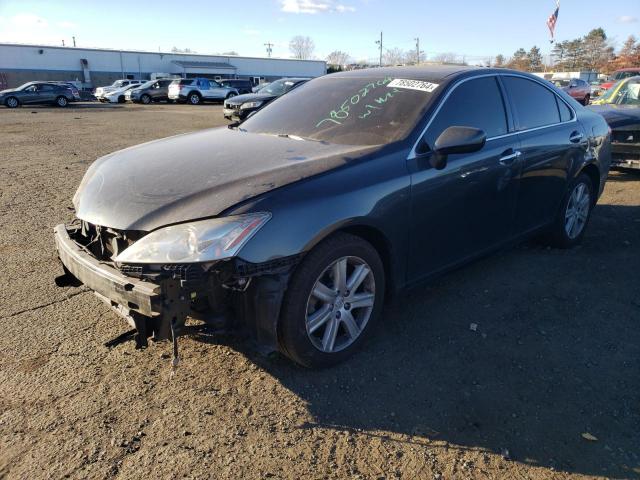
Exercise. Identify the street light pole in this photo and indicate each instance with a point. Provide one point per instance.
(269, 49)
(417, 39)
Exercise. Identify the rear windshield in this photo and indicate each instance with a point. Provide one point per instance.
(370, 110)
(561, 83)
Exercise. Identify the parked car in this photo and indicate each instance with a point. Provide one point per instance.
(620, 75)
(620, 106)
(100, 91)
(152, 91)
(72, 87)
(259, 87)
(298, 222)
(241, 85)
(242, 106)
(33, 93)
(198, 90)
(577, 88)
(117, 96)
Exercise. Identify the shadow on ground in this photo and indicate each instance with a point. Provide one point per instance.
(555, 355)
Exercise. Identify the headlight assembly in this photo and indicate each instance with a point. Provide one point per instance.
(201, 241)
(250, 105)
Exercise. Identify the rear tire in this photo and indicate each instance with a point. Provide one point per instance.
(62, 101)
(320, 324)
(571, 222)
(229, 95)
(12, 102)
(145, 99)
(121, 99)
(194, 98)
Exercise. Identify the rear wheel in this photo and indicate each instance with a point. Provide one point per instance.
(194, 98)
(62, 101)
(146, 99)
(571, 223)
(12, 102)
(230, 95)
(121, 99)
(334, 296)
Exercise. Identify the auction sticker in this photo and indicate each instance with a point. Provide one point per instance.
(413, 85)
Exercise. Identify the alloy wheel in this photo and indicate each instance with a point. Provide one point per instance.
(577, 211)
(340, 304)
(12, 102)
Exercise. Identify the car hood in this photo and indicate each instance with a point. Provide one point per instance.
(198, 175)
(249, 97)
(618, 115)
(8, 90)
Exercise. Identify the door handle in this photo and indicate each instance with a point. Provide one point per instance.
(509, 157)
(576, 137)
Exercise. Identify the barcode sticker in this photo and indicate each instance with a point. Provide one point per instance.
(413, 85)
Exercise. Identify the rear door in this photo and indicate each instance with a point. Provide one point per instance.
(467, 207)
(550, 141)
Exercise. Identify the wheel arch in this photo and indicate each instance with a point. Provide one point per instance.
(593, 172)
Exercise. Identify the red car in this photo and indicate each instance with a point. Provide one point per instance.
(577, 88)
(620, 75)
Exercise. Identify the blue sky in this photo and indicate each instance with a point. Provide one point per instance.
(473, 28)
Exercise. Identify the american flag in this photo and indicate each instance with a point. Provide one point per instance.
(553, 19)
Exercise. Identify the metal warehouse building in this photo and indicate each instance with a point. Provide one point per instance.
(94, 67)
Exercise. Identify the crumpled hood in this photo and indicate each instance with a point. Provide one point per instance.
(249, 97)
(197, 175)
(618, 115)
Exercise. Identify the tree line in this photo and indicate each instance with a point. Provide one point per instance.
(593, 52)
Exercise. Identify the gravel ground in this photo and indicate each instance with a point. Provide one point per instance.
(555, 354)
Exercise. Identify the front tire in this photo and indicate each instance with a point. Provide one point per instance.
(62, 101)
(145, 99)
(230, 95)
(334, 297)
(571, 223)
(12, 102)
(586, 100)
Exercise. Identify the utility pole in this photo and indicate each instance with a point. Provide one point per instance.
(417, 39)
(379, 42)
(74, 40)
(269, 46)
(63, 43)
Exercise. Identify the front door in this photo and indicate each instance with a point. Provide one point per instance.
(467, 207)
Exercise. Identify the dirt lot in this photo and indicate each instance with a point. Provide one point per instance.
(556, 353)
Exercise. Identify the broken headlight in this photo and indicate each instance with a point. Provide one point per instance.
(201, 241)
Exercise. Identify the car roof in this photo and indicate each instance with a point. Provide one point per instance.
(629, 69)
(424, 72)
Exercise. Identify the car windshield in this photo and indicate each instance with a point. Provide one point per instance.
(623, 75)
(25, 85)
(146, 84)
(625, 92)
(278, 87)
(348, 110)
(560, 82)
(118, 83)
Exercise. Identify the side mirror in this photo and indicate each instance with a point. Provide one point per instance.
(456, 140)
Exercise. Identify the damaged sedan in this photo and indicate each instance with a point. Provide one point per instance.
(298, 223)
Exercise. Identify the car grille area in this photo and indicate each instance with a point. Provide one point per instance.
(626, 136)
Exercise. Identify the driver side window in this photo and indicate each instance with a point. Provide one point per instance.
(476, 103)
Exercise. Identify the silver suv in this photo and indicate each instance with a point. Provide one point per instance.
(118, 84)
(198, 90)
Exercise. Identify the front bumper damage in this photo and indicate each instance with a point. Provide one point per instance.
(157, 303)
(625, 155)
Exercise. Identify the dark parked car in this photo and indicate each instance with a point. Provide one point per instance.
(33, 93)
(577, 88)
(620, 106)
(299, 222)
(152, 91)
(242, 105)
(243, 86)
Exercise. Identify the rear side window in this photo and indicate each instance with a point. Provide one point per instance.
(475, 103)
(534, 104)
(185, 82)
(565, 111)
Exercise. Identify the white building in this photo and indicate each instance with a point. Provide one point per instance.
(95, 67)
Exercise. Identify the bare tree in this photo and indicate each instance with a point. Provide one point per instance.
(338, 57)
(302, 47)
(499, 61)
(394, 56)
(182, 50)
(447, 57)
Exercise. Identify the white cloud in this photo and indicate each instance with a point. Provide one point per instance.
(28, 20)
(627, 19)
(314, 6)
